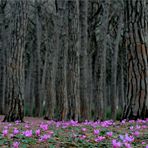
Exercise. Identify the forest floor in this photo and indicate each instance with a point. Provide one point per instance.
(39, 133)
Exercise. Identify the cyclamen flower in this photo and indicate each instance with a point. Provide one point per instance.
(37, 132)
(136, 133)
(127, 145)
(131, 128)
(84, 129)
(99, 138)
(138, 127)
(44, 127)
(27, 126)
(28, 133)
(15, 131)
(110, 134)
(128, 138)
(116, 144)
(15, 144)
(96, 132)
(5, 132)
(44, 137)
(82, 137)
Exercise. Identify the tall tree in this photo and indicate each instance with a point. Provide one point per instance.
(73, 65)
(84, 105)
(15, 67)
(136, 44)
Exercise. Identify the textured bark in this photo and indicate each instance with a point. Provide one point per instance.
(37, 90)
(136, 45)
(100, 64)
(15, 62)
(85, 112)
(61, 82)
(114, 96)
(73, 72)
(3, 46)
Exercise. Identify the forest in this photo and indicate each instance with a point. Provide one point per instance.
(74, 65)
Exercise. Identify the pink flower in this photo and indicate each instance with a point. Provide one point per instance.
(138, 127)
(143, 143)
(136, 133)
(116, 144)
(128, 138)
(44, 137)
(131, 128)
(27, 126)
(44, 127)
(28, 133)
(82, 137)
(5, 132)
(84, 129)
(127, 145)
(37, 132)
(5, 127)
(123, 121)
(15, 144)
(96, 132)
(110, 134)
(99, 138)
(146, 146)
(15, 131)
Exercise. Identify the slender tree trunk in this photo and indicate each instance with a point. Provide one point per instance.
(62, 44)
(85, 113)
(114, 96)
(73, 72)
(38, 61)
(3, 48)
(100, 71)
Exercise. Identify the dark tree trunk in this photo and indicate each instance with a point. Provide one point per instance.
(136, 44)
(15, 62)
(73, 72)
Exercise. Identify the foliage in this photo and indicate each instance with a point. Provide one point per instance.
(36, 132)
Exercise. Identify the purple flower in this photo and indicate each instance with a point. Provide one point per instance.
(5, 132)
(84, 129)
(110, 134)
(28, 133)
(27, 126)
(96, 132)
(138, 127)
(83, 137)
(99, 138)
(15, 144)
(37, 132)
(131, 128)
(127, 145)
(44, 137)
(128, 138)
(15, 131)
(136, 133)
(116, 144)
(44, 127)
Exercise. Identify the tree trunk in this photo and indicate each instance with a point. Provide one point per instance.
(114, 96)
(85, 113)
(15, 62)
(136, 44)
(73, 67)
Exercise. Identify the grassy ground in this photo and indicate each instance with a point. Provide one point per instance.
(38, 133)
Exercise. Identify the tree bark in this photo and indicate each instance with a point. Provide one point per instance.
(15, 62)
(136, 44)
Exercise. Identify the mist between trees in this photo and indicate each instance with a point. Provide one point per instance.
(74, 59)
